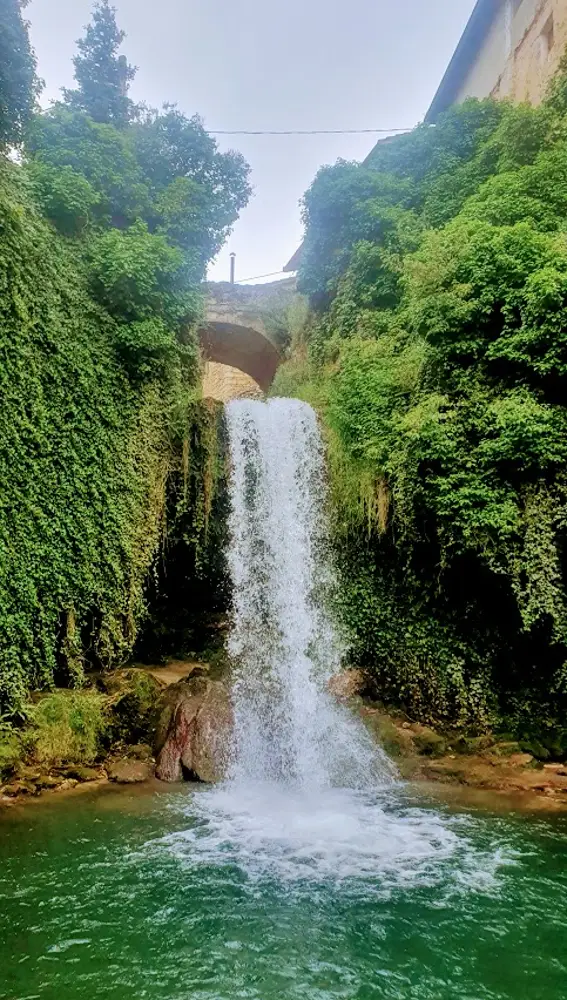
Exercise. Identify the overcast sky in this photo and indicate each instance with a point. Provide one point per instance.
(253, 64)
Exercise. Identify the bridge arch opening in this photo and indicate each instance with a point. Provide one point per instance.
(242, 347)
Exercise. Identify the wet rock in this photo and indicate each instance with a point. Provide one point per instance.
(520, 759)
(141, 751)
(48, 782)
(427, 741)
(28, 774)
(129, 772)
(81, 773)
(193, 732)
(211, 742)
(66, 785)
(17, 788)
(395, 739)
(348, 684)
(507, 748)
(473, 744)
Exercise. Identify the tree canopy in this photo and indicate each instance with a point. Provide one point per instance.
(18, 81)
(103, 76)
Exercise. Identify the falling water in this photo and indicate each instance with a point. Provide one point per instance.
(310, 796)
(288, 727)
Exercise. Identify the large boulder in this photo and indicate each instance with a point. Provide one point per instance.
(193, 731)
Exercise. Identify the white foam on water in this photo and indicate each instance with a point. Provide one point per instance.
(369, 843)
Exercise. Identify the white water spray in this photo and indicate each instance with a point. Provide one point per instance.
(288, 727)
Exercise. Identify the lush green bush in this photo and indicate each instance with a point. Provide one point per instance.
(437, 358)
(68, 727)
(11, 750)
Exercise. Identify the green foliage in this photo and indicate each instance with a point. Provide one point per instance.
(164, 170)
(196, 191)
(136, 275)
(18, 82)
(98, 308)
(68, 727)
(346, 204)
(102, 75)
(84, 458)
(439, 366)
(66, 197)
(63, 138)
(11, 750)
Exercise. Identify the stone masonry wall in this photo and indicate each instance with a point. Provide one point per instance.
(223, 383)
(521, 52)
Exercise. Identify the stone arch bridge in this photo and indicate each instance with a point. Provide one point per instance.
(239, 338)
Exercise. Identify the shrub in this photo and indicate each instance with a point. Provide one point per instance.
(11, 750)
(69, 727)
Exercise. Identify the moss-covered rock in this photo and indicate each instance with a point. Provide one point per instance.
(427, 741)
(133, 695)
(396, 741)
(130, 772)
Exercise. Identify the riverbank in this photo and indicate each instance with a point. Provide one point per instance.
(484, 763)
(100, 735)
(483, 769)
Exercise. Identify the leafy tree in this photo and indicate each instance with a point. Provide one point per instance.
(164, 169)
(62, 138)
(197, 191)
(66, 197)
(102, 75)
(137, 275)
(346, 204)
(18, 82)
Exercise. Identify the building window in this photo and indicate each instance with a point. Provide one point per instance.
(547, 39)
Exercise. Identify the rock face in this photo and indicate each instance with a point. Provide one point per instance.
(348, 684)
(193, 731)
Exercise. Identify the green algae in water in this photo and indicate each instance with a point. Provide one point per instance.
(197, 896)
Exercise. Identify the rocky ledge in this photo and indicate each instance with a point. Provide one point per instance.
(174, 722)
(424, 753)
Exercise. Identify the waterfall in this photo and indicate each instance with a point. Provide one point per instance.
(284, 643)
(310, 798)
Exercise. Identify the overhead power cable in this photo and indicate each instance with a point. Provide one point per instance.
(257, 277)
(315, 131)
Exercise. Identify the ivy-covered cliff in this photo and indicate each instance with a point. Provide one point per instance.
(107, 221)
(436, 354)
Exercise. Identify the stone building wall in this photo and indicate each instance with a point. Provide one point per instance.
(520, 53)
(222, 382)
